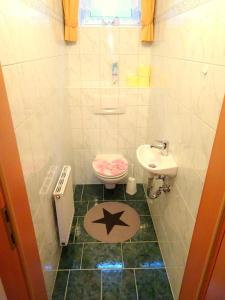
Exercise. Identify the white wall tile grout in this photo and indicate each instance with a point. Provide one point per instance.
(82, 257)
(188, 64)
(189, 60)
(101, 284)
(32, 59)
(93, 269)
(180, 7)
(135, 281)
(66, 285)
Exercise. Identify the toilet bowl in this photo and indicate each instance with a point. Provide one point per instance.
(110, 169)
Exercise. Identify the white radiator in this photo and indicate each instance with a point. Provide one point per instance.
(63, 195)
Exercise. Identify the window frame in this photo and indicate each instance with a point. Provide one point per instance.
(110, 20)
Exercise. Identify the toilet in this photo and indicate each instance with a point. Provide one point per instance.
(110, 169)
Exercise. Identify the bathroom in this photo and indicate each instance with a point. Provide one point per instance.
(106, 86)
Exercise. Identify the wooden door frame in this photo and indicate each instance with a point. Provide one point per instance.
(16, 199)
(209, 227)
(10, 262)
(216, 287)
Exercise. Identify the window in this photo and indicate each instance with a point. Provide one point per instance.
(109, 12)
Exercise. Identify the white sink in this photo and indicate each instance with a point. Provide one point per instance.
(155, 163)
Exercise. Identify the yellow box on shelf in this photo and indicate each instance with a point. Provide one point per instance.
(144, 81)
(141, 78)
(144, 71)
(133, 81)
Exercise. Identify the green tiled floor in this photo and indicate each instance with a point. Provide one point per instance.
(116, 194)
(60, 285)
(102, 256)
(81, 208)
(77, 285)
(71, 257)
(146, 232)
(78, 192)
(92, 194)
(92, 270)
(153, 284)
(118, 284)
(80, 235)
(142, 255)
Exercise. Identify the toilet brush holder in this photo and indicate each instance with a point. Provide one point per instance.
(131, 186)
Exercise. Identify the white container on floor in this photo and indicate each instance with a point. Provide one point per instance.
(131, 186)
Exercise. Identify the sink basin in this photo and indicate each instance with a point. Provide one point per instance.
(155, 163)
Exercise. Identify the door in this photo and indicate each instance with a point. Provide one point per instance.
(11, 272)
(205, 268)
(20, 267)
(216, 289)
(2, 291)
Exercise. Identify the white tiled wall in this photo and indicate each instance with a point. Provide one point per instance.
(89, 85)
(32, 56)
(188, 61)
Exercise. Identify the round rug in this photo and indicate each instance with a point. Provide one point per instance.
(112, 222)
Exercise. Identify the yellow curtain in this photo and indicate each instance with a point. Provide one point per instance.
(70, 8)
(147, 16)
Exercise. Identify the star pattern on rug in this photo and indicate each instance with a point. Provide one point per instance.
(110, 220)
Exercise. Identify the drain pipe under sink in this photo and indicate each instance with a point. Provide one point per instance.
(165, 187)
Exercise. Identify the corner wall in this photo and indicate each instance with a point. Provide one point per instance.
(32, 56)
(89, 86)
(188, 61)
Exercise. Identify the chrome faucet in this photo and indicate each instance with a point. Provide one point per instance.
(163, 145)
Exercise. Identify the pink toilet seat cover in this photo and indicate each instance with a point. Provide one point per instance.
(114, 167)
